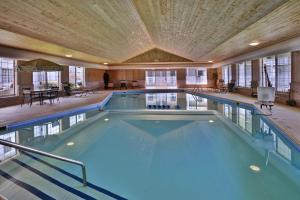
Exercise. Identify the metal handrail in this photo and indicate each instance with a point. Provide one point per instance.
(24, 148)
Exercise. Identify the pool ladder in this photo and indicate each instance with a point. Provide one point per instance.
(35, 151)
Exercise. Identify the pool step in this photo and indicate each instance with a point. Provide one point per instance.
(33, 177)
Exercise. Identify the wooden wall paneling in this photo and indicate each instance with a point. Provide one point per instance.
(157, 55)
(94, 78)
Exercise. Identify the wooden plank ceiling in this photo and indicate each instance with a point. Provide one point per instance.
(156, 55)
(116, 30)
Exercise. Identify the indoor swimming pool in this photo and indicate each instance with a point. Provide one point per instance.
(154, 146)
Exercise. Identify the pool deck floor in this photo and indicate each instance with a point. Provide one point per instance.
(286, 117)
(19, 113)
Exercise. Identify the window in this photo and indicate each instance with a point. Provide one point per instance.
(271, 69)
(46, 79)
(226, 73)
(279, 71)
(241, 74)
(76, 76)
(161, 79)
(7, 77)
(196, 76)
(244, 74)
(283, 72)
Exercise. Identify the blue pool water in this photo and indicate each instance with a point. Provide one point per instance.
(231, 152)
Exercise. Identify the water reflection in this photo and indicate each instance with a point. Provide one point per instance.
(261, 132)
(195, 102)
(40, 136)
(5, 151)
(161, 100)
(76, 119)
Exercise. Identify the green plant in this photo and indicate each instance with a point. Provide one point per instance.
(254, 85)
(291, 102)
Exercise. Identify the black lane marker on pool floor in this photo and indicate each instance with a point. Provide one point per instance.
(95, 187)
(54, 181)
(26, 186)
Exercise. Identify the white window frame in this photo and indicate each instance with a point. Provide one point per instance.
(75, 82)
(273, 67)
(196, 78)
(45, 76)
(161, 79)
(244, 74)
(226, 74)
(8, 88)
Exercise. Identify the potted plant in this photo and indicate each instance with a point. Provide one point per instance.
(254, 85)
(231, 86)
(67, 88)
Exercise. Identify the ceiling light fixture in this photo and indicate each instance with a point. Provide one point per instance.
(105, 63)
(254, 44)
(210, 61)
(68, 55)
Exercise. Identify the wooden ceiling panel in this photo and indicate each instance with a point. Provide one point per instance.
(156, 55)
(192, 28)
(109, 29)
(114, 31)
(27, 43)
(281, 24)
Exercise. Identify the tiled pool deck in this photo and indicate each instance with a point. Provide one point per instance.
(286, 117)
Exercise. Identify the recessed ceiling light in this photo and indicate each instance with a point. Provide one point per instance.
(105, 63)
(106, 119)
(210, 61)
(211, 121)
(70, 143)
(254, 44)
(68, 55)
(254, 168)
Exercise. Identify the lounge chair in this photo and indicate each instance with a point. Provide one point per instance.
(111, 85)
(134, 84)
(266, 96)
